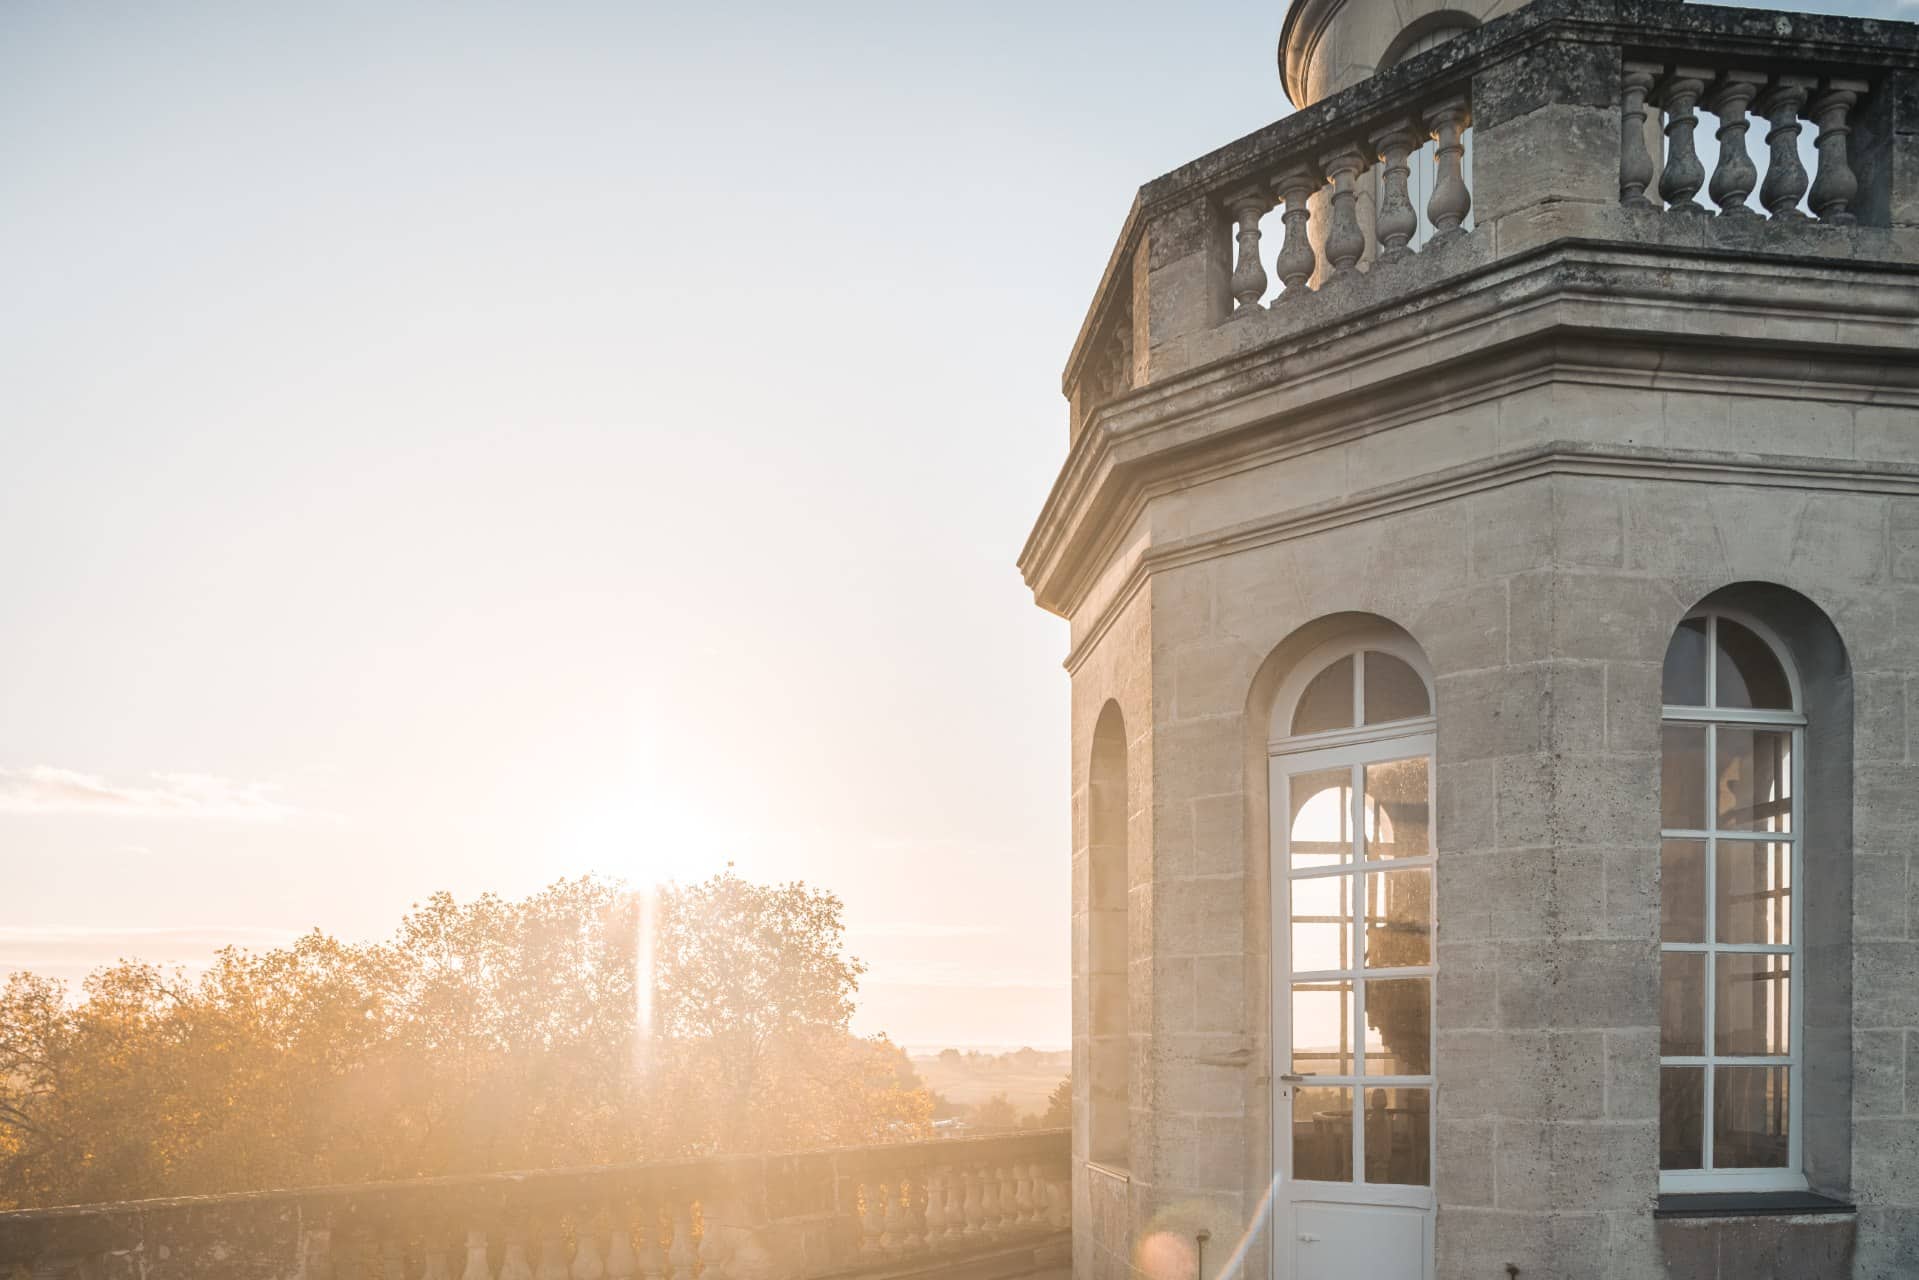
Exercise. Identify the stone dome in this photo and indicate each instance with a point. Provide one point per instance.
(1329, 45)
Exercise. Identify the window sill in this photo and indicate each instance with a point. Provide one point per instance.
(1747, 1204)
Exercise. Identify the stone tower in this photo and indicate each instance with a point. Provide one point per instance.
(1490, 537)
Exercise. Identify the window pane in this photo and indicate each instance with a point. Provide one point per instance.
(1682, 891)
(1398, 1125)
(1682, 1003)
(1399, 1027)
(1328, 700)
(1399, 915)
(1321, 822)
(1755, 779)
(1750, 1117)
(1397, 824)
(1682, 777)
(1682, 1108)
(1322, 923)
(1323, 1028)
(1752, 1003)
(1685, 681)
(1394, 690)
(1323, 1134)
(1754, 888)
(1749, 674)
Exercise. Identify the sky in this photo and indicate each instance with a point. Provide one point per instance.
(455, 446)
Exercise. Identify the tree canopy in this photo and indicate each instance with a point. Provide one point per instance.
(583, 1024)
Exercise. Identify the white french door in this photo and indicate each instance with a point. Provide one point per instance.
(1353, 1095)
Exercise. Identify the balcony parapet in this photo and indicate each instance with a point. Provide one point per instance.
(1583, 117)
(999, 1203)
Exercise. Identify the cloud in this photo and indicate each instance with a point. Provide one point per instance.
(70, 952)
(42, 789)
(913, 929)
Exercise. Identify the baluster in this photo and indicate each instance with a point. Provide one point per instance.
(716, 1247)
(681, 1256)
(433, 1252)
(1119, 359)
(652, 1255)
(586, 1249)
(1059, 1192)
(990, 1213)
(936, 1209)
(1785, 179)
(892, 1221)
(955, 1209)
(1344, 240)
(1249, 277)
(621, 1262)
(1009, 1199)
(915, 1241)
(1023, 1196)
(751, 1261)
(1296, 262)
(873, 1221)
(552, 1251)
(1450, 201)
(1397, 220)
(1734, 176)
(476, 1265)
(1836, 185)
(393, 1257)
(513, 1265)
(1684, 174)
(1635, 161)
(975, 1207)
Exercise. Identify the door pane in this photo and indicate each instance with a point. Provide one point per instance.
(1754, 890)
(1752, 1005)
(1399, 914)
(1750, 1117)
(1685, 679)
(1755, 779)
(1323, 1134)
(1749, 675)
(1328, 700)
(1397, 1136)
(1323, 1028)
(1682, 891)
(1399, 1026)
(1321, 817)
(1682, 777)
(1322, 923)
(1682, 1003)
(1682, 1112)
(1397, 821)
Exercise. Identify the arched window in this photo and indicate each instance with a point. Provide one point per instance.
(1109, 892)
(1731, 989)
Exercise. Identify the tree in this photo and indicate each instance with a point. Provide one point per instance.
(483, 1036)
(996, 1115)
(1059, 1107)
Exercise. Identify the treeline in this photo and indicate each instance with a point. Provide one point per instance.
(581, 1025)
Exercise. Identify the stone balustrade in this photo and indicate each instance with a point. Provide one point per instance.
(997, 1206)
(1565, 122)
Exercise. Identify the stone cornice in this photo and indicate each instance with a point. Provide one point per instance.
(1620, 314)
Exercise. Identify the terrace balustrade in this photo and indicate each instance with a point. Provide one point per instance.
(998, 1206)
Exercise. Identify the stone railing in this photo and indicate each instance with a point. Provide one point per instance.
(920, 1208)
(1568, 120)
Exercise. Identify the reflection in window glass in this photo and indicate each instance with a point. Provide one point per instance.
(1322, 924)
(1323, 1134)
(1399, 918)
(1754, 791)
(1397, 806)
(1753, 887)
(1682, 891)
(1682, 777)
(1752, 1004)
(1394, 690)
(1750, 1110)
(1328, 700)
(1398, 1136)
(1682, 1003)
(1320, 828)
(1399, 1026)
(1748, 674)
(1685, 678)
(1682, 1117)
(1323, 1028)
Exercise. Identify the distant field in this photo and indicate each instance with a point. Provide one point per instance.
(1026, 1090)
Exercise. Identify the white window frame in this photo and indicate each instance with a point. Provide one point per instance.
(1792, 1177)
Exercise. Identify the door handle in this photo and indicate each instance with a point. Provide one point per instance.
(1307, 1237)
(1297, 1078)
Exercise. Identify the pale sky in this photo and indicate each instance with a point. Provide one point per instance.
(460, 445)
